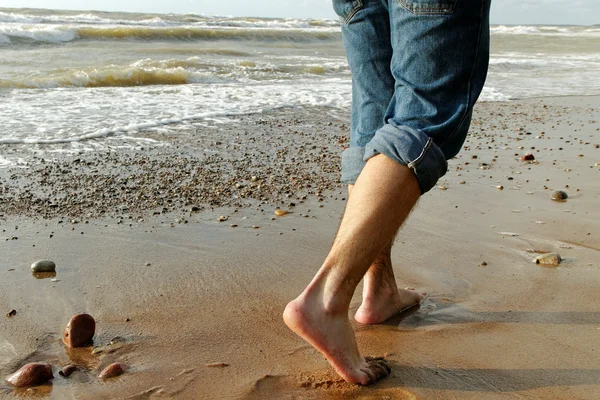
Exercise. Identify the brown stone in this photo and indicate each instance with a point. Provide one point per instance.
(528, 157)
(32, 374)
(112, 370)
(80, 331)
(68, 370)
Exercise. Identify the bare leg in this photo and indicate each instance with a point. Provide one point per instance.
(382, 299)
(382, 198)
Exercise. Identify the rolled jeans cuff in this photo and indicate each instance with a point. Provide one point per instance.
(407, 146)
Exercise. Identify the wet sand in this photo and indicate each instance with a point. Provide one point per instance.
(199, 302)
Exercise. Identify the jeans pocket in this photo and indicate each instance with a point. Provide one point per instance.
(346, 9)
(429, 7)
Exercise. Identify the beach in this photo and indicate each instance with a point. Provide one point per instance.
(177, 250)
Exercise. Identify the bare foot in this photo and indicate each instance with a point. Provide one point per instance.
(383, 304)
(331, 334)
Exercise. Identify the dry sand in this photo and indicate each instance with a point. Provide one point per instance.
(188, 295)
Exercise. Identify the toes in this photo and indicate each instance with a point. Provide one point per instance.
(371, 376)
(376, 369)
(385, 366)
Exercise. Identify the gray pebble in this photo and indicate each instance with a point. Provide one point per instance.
(559, 195)
(43, 266)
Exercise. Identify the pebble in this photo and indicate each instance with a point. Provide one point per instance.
(112, 371)
(79, 331)
(443, 188)
(43, 266)
(217, 365)
(32, 374)
(500, 187)
(11, 313)
(528, 157)
(559, 195)
(548, 259)
(222, 218)
(281, 213)
(68, 370)
(117, 340)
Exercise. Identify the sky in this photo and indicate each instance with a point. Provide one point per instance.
(517, 12)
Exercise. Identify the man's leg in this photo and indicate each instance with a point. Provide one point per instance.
(382, 298)
(438, 64)
(383, 196)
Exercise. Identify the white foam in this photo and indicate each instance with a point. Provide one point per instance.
(21, 18)
(492, 94)
(578, 31)
(40, 33)
(77, 115)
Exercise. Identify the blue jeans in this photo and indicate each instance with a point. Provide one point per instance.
(418, 67)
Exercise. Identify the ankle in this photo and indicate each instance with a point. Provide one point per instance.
(379, 292)
(317, 299)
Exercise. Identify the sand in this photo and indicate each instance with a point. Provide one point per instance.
(199, 302)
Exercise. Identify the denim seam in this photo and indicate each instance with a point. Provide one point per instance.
(413, 164)
(466, 112)
(352, 13)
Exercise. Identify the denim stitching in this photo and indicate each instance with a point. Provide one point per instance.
(352, 13)
(440, 9)
(464, 117)
(413, 164)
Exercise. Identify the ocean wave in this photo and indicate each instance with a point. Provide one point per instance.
(195, 33)
(38, 33)
(20, 18)
(74, 115)
(549, 30)
(150, 72)
(101, 133)
(68, 33)
(544, 62)
(166, 20)
(492, 94)
(111, 76)
(107, 132)
(272, 23)
(87, 19)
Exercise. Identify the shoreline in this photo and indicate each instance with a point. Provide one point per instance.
(197, 291)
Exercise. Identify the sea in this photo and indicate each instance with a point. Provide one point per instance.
(73, 81)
